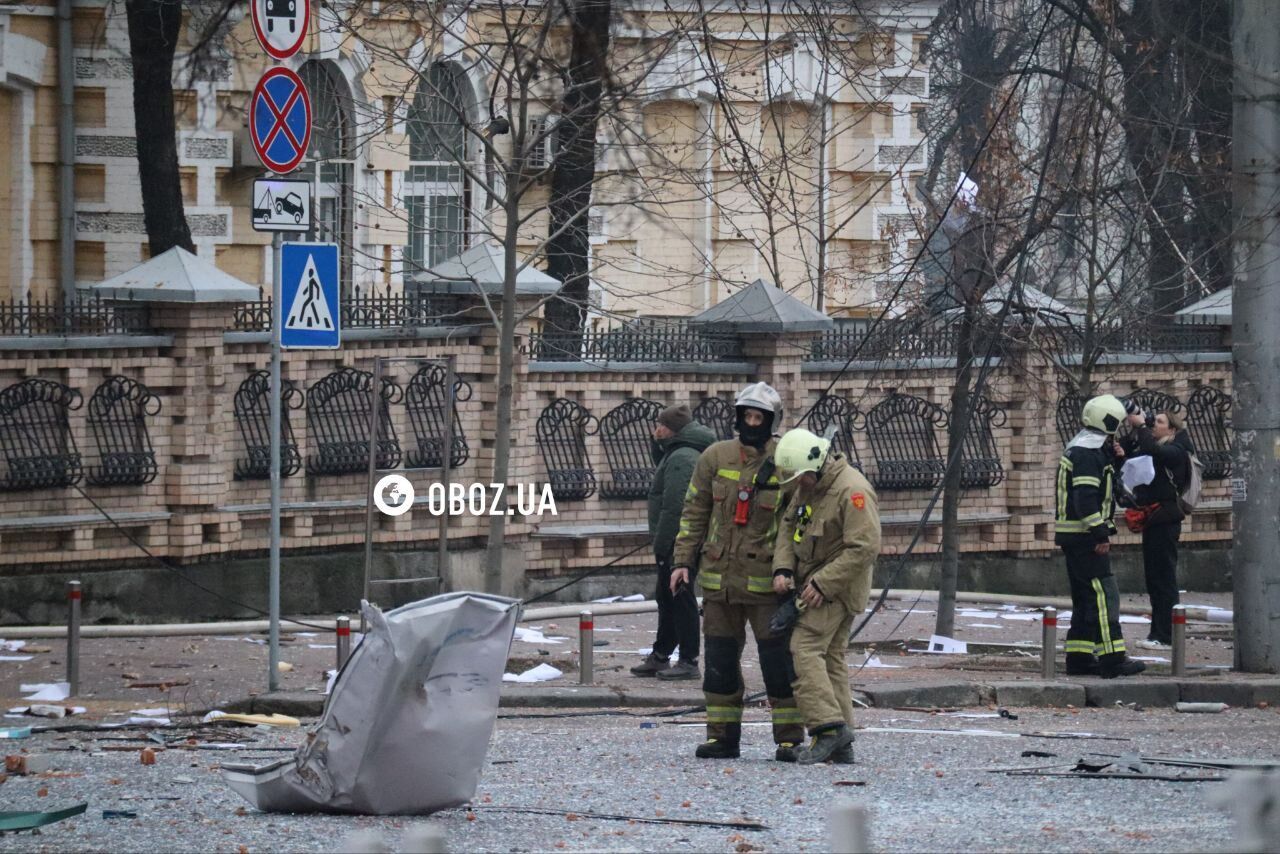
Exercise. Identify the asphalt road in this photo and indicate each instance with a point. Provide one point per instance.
(925, 791)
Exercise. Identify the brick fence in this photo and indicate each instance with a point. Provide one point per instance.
(195, 510)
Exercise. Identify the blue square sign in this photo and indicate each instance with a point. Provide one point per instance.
(309, 296)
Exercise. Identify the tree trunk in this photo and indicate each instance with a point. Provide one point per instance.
(153, 38)
(493, 558)
(574, 171)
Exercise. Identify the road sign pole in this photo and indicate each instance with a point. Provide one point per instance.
(273, 595)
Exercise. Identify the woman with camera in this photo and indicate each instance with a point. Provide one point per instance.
(1157, 514)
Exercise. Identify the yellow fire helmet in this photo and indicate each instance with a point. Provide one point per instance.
(1104, 412)
(799, 451)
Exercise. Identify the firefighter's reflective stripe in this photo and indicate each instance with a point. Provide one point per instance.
(709, 580)
(1070, 526)
(1104, 621)
(804, 523)
(787, 715)
(759, 583)
(1064, 469)
(1092, 520)
(1116, 646)
(1085, 480)
(691, 491)
(1080, 646)
(724, 714)
(729, 474)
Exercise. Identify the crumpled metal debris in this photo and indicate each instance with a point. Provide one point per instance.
(407, 726)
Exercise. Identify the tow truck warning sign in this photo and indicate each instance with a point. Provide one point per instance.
(281, 205)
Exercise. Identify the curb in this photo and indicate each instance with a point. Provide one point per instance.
(1152, 693)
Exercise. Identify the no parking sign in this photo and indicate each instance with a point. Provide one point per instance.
(280, 120)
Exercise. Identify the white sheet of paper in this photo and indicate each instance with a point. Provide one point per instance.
(47, 692)
(947, 646)
(1023, 618)
(143, 721)
(322, 646)
(12, 646)
(151, 713)
(983, 626)
(874, 661)
(1138, 471)
(16, 657)
(533, 636)
(1130, 618)
(541, 673)
(634, 597)
(1154, 658)
(980, 615)
(608, 600)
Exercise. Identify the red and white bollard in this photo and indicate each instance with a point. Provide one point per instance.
(586, 647)
(73, 637)
(1048, 642)
(1179, 640)
(344, 640)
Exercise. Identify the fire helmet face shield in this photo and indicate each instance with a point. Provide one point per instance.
(763, 397)
(799, 451)
(1105, 413)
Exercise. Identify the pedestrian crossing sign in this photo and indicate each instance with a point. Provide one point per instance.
(312, 316)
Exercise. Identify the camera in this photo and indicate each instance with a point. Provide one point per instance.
(1132, 408)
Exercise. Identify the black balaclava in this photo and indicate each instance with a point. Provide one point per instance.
(755, 437)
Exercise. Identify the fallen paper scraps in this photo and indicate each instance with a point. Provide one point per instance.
(943, 645)
(541, 673)
(609, 600)
(258, 720)
(535, 636)
(15, 732)
(11, 645)
(47, 692)
(874, 661)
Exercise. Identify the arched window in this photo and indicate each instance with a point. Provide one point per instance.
(437, 193)
(330, 163)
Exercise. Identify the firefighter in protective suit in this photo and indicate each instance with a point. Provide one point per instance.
(827, 546)
(1082, 528)
(727, 529)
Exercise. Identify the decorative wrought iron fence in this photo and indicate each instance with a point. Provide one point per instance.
(87, 314)
(718, 414)
(1067, 415)
(902, 429)
(562, 431)
(626, 431)
(338, 423)
(891, 338)
(426, 401)
(672, 342)
(1209, 422)
(118, 413)
(252, 409)
(847, 418)
(38, 449)
(980, 459)
(374, 311)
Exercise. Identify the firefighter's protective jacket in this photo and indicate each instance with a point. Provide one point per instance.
(1085, 501)
(734, 561)
(832, 536)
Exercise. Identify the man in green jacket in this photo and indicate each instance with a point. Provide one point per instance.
(678, 441)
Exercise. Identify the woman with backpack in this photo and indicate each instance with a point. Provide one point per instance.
(1159, 512)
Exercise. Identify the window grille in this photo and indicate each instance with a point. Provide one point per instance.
(426, 401)
(252, 408)
(980, 460)
(118, 413)
(35, 437)
(1209, 422)
(718, 414)
(902, 429)
(626, 431)
(844, 414)
(338, 423)
(562, 431)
